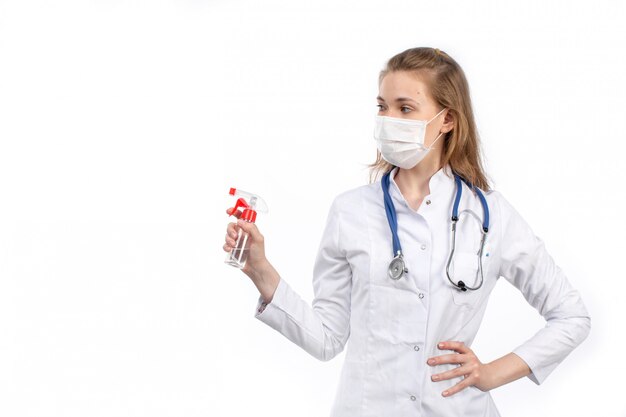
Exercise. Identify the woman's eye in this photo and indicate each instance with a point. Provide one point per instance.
(405, 107)
(380, 107)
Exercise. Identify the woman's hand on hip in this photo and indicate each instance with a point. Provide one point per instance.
(475, 372)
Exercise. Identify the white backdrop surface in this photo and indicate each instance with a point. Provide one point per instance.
(123, 124)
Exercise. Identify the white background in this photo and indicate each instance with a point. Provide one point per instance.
(123, 124)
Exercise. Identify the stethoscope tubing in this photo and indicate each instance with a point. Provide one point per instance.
(397, 267)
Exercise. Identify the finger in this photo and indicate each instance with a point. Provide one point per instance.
(237, 214)
(251, 229)
(458, 387)
(451, 358)
(231, 230)
(230, 241)
(453, 345)
(453, 373)
(226, 248)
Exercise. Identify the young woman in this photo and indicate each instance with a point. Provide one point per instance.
(406, 264)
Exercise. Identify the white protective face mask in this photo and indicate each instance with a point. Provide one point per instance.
(401, 141)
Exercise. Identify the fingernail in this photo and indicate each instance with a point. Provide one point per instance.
(440, 345)
(445, 393)
(431, 361)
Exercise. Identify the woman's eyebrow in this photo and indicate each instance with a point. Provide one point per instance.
(399, 99)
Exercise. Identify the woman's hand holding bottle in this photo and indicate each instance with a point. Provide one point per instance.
(257, 267)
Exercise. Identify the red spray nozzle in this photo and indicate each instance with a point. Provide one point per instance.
(240, 203)
(251, 207)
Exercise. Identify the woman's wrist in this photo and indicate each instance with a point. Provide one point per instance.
(506, 369)
(266, 279)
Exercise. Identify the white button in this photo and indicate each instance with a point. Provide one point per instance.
(421, 295)
(423, 247)
(412, 397)
(416, 347)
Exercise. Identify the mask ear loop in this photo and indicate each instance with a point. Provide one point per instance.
(435, 116)
(436, 139)
(441, 133)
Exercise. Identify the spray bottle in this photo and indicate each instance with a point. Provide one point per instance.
(238, 256)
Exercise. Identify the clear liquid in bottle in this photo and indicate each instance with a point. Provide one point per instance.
(239, 254)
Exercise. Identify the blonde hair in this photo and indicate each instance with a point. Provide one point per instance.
(449, 88)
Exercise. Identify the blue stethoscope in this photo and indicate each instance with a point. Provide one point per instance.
(397, 267)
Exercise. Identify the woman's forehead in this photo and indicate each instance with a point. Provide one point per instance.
(402, 84)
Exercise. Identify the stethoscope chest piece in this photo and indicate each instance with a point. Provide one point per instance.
(397, 267)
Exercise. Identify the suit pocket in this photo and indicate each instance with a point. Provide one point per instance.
(397, 315)
(465, 267)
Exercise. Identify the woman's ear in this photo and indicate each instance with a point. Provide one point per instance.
(448, 121)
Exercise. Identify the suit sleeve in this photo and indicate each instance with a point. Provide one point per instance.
(527, 265)
(323, 327)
